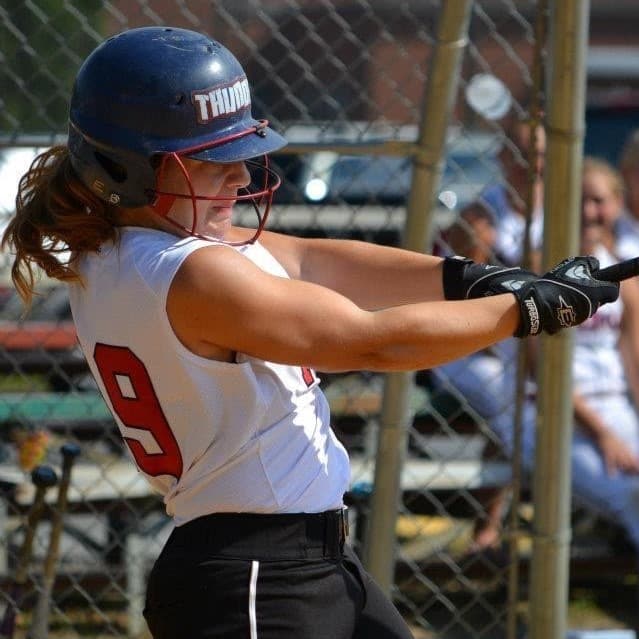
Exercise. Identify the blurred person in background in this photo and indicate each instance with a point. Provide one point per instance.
(627, 227)
(472, 234)
(508, 198)
(605, 445)
(605, 453)
(485, 378)
(602, 196)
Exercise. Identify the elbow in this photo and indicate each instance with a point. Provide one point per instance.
(366, 359)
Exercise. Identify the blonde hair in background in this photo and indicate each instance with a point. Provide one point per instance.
(593, 164)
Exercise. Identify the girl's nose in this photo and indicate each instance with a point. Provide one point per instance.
(238, 174)
(589, 210)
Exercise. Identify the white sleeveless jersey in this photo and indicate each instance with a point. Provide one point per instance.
(210, 436)
(597, 365)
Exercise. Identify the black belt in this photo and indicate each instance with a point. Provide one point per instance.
(265, 536)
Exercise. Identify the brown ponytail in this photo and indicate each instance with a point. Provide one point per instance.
(56, 216)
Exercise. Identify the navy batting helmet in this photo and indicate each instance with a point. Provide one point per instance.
(154, 92)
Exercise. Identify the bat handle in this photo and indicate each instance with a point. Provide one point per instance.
(69, 454)
(40, 621)
(43, 477)
(619, 272)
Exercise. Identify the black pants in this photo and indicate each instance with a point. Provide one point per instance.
(246, 576)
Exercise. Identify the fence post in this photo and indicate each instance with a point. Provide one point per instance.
(441, 91)
(552, 480)
(135, 564)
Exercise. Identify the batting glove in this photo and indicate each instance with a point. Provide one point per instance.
(464, 279)
(565, 296)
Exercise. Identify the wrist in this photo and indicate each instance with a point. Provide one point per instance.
(529, 314)
(599, 432)
(453, 269)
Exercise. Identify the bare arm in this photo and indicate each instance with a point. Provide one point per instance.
(221, 298)
(370, 275)
(617, 456)
(629, 343)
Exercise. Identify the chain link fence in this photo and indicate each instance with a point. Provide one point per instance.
(346, 81)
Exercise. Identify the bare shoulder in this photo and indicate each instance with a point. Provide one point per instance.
(221, 280)
(210, 267)
(288, 250)
(207, 295)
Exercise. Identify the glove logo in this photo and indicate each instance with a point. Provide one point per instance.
(566, 313)
(512, 285)
(533, 316)
(578, 272)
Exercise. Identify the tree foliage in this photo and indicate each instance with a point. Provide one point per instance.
(42, 44)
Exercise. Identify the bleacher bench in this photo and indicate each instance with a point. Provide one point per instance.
(85, 416)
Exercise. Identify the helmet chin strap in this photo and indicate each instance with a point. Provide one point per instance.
(163, 204)
(164, 201)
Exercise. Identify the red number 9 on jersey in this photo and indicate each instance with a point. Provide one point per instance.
(133, 398)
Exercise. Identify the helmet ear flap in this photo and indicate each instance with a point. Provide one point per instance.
(116, 176)
(116, 171)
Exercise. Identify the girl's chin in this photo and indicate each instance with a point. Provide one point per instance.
(220, 211)
(217, 229)
(591, 240)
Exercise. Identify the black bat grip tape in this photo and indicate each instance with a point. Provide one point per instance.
(618, 272)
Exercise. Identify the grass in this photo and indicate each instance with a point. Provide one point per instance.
(604, 607)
